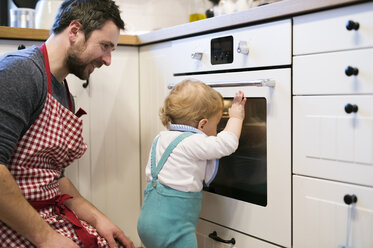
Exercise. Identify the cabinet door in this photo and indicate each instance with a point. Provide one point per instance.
(329, 142)
(155, 75)
(109, 174)
(79, 171)
(321, 215)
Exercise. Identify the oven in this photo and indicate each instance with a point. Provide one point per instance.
(249, 201)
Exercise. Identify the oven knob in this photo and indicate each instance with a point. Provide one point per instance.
(243, 47)
(197, 56)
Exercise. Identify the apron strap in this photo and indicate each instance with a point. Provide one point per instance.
(43, 48)
(155, 170)
(87, 239)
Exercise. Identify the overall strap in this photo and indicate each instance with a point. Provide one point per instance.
(156, 169)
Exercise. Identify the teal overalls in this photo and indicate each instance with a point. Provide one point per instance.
(168, 217)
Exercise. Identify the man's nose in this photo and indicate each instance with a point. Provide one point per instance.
(107, 59)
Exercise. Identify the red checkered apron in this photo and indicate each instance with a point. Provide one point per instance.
(51, 144)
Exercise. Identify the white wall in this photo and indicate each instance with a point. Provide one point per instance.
(147, 15)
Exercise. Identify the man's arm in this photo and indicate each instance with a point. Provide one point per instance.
(18, 214)
(87, 212)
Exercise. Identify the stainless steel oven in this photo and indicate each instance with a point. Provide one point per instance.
(251, 193)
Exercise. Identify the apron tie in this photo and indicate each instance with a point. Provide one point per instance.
(88, 240)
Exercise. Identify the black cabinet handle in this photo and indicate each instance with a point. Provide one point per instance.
(349, 71)
(21, 46)
(351, 108)
(349, 199)
(351, 25)
(214, 236)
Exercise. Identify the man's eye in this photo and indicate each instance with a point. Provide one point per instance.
(105, 46)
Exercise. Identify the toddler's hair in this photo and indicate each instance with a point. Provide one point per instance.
(189, 102)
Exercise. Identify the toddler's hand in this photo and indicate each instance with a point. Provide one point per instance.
(237, 110)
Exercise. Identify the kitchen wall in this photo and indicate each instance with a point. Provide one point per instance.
(147, 15)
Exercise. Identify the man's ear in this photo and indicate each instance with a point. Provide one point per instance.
(74, 30)
(201, 124)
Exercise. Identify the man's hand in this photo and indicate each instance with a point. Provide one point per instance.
(113, 234)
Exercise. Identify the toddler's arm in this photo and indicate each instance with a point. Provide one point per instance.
(236, 114)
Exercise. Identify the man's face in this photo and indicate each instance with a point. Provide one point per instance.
(84, 56)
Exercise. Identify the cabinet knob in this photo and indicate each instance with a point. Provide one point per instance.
(349, 199)
(349, 71)
(349, 108)
(351, 25)
(21, 46)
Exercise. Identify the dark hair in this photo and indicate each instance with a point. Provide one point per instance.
(92, 14)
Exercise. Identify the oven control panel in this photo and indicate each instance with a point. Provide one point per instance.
(222, 50)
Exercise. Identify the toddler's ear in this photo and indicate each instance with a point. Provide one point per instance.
(202, 123)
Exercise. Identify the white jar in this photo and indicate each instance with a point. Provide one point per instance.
(22, 17)
(46, 11)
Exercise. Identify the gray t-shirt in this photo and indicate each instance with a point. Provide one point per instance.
(23, 91)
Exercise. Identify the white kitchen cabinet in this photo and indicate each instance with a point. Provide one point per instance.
(327, 31)
(155, 74)
(328, 73)
(323, 219)
(333, 127)
(110, 176)
(330, 143)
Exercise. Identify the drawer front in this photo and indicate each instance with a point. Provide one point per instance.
(321, 215)
(330, 143)
(326, 31)
(347, 72)
(204, 228)
(268, 45)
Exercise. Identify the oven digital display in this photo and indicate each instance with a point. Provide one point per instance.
(222, 50)
(243, 174)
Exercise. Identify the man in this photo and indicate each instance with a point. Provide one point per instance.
(40, 135)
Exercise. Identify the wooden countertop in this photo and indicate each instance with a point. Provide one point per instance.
(273, 11)
(43, 34)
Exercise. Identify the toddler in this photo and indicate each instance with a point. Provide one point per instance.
(182, 158)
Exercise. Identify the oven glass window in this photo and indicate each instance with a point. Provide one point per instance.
(243, 175)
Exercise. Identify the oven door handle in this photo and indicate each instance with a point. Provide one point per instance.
(258, 83)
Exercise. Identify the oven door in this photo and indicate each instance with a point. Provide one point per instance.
(251, 192)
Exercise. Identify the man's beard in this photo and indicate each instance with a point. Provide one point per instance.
(77, 66)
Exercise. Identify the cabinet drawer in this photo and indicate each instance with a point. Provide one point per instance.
(268, 44)
(326, 31)
(333, 73)
(320, 214)
(204, 228)
(329, 143)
